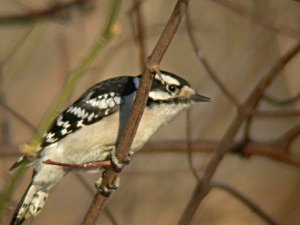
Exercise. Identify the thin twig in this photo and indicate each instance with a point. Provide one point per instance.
(103, 38)
(288, 138)
(189, 145)
(140, 34)
(274, 150)
(246, 201)
(226, 142)
(281, 102)
(138, 106)
(259, 19)
(18, 115)
(56, 11)
(213, 75)
(247, 129)
(91, 165)
(16, 47)
(279, 114)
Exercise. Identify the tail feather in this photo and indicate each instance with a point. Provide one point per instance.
(31, 204)
(26, 160)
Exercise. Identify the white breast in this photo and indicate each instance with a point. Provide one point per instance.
(94, 142)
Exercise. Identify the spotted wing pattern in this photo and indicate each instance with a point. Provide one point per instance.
(98, 102)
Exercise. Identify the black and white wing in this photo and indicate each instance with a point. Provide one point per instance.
(98, 102)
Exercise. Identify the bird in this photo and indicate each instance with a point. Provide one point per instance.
(88, 130)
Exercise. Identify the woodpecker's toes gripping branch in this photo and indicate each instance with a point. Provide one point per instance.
(116, 165)
(107, 188)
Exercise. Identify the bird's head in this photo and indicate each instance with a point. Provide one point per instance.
(169, 88)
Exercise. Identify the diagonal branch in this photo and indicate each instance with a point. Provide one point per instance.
(88, 187)
(288, 138)
(206, 65)
(57, 10)
(259, 19)
(250, 104)
(246, 201)
(138, 106)
(281, 113)
(18, 116)
(140, 31)
(102, 39)
(281, 102)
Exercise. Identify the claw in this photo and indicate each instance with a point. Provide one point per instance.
(116, 164)
(106, 190)
(128, 157)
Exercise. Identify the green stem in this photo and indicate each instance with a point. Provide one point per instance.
(102, 40)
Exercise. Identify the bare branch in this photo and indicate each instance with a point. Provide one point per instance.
(138, 106)
(226, 142)
(140, 34)
(206, 65)
(288, 138)
(91, 190)
(79, 166)
(281, 102)
(18, 115)
(259, 19)
(270, 150)
(281, 114)
(189, 144)
(56, 11)
(246, 201)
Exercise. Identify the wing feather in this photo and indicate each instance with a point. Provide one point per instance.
(98, 102)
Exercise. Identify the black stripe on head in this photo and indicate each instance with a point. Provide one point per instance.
(166, 89)
(167, 78)
(182, 81)
(151, 102)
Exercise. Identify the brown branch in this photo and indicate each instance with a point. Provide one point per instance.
(259, 19)
(138, 106)
(274, 150)
(140, 34)
(246, 201)
(247, 129)
(189, 144)
(91, 190)
(213, 75)
(91, 165)
(281, 114)
(281, 102)
(287, 139)
(226, 142)
(18, 116)
(57, 11)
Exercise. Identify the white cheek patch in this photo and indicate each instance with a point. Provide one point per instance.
(159, 95)
(170, 80)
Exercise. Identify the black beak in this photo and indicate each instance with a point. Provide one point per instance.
(200, 98)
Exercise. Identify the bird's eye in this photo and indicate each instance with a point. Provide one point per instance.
(172, 88)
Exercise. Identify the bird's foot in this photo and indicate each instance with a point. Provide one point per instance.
(115, 162)
(107, 189)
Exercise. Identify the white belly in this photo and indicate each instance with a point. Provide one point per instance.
(94, 142)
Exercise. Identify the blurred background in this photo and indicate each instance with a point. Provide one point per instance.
(43, 44)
